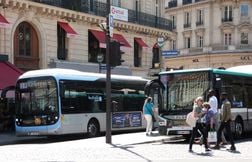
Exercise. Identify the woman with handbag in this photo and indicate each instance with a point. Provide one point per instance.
(148, 114)
(198, 113)
(208, 119)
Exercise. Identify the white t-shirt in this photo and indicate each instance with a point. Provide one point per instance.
(213, 104)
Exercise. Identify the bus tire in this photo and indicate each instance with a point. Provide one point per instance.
(93, 128)
(238, 128)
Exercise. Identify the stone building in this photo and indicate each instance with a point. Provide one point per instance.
(210, 33)
(37, 34)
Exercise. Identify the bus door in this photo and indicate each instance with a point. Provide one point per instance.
(154, 89)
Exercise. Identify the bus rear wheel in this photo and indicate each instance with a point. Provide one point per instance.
(238, 128)
(93, 128)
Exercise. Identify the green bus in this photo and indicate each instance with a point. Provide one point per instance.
(176, 91)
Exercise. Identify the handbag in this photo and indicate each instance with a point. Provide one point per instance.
(153, 118)
(212, 136)
(190, 119)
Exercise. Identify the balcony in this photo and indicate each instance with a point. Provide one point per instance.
(188, 25)
(185, 2)
(99, 9)
(196, 1)
(227, 19)
(173, 3)
(199, 23)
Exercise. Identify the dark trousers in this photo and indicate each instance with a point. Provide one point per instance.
(225, 125)
(201, 127)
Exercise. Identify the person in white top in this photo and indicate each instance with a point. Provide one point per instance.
(213, 102)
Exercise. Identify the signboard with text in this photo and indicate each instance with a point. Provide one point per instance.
(126, 119)
(170, 53)
(119, 13)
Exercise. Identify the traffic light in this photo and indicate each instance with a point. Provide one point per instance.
(115, 54)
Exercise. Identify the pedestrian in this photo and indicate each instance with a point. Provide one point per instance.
(208, 118)
(148, 112)
(213, 101)
(198, 113)
(225, 122)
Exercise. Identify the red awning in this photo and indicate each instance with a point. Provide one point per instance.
(68, 29)
(100, 36)
(8, 74)
(3, 22)
(140, 42)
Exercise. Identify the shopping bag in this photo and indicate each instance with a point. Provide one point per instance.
(191, 120)
(212, 136)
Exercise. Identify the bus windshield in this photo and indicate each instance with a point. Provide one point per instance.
(37, 102)
(182, 88)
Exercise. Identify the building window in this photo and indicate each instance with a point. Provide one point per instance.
(155, 58)
(228, 39)
(188, 42)
(61, 51)
(200, 17)
(137, 55)
(228, 14)
(244, 10)
(200, 41)
(116, 3)
(187, 22)
(24, 38)
(244, 38)
(26, 47)
(173, 19)
(174, 42)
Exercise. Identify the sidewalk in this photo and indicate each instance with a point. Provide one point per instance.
(121, 139)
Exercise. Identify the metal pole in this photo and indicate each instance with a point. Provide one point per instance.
(108, 81)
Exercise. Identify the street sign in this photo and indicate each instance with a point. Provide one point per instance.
(170, 53)
(119, 13)
(160, 42)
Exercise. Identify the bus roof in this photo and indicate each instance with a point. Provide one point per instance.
(59, 73)
(244, 70)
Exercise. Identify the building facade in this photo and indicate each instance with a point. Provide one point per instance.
(210, 33)
(37, 34)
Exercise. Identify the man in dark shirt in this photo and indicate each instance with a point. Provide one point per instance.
(225, 122)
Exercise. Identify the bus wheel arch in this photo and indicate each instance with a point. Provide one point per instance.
(238, 127)
(93, 128)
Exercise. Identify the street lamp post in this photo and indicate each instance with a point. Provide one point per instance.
(108, 80)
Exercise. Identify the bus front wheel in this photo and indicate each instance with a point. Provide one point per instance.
(93, 128)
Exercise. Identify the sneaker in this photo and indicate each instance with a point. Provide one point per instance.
(190, 150)
(216, 147)
(207, 149)
(147, 134)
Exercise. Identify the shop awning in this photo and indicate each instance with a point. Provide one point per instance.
(3, 22)
(68, 29)
(140, 42)
(8, 74)
(100, 36)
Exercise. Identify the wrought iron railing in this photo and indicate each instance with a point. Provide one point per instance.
(227, 19)
(172, 3)
(199, 23)
(188, 25)
(185, 2)
(99, 9)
